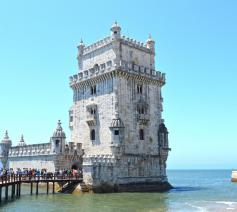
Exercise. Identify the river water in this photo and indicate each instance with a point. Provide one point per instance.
(195, 190)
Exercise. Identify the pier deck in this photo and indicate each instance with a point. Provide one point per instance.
(15, 181)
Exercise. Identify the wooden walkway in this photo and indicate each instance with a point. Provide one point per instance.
(14, 183)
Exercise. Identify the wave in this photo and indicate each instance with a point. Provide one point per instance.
(200, 208)
(215, 206)
(226, 203)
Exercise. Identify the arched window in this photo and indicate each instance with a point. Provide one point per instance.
(92, 134)
(96, 67)
(139, 89)
(141, 134)
(93, 90)
(57, 143)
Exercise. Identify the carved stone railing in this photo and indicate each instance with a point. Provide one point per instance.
(143, 118)
(91, 119)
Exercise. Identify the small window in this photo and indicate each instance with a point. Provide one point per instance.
(141, 110)
(141, 134)
(93, 111)
(93, 135)
(57, 143)
(96, 67)
(109, 63)
(116, 132)
(71, 118)
(139, 89)
(102, 66)
(93, 90)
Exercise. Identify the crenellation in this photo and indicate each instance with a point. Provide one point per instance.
(97, 45)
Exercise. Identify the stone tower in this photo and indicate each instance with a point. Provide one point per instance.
(5, 145)
(116, 115)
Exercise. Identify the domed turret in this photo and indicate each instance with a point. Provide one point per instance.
(59, 131)
(6, 139)
(58, 140)
(81, 45)
(163, 136)
(115, 30)
(22, 141)
(5, 145)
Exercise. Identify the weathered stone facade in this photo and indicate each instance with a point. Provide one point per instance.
(116, 115)
(54, 155)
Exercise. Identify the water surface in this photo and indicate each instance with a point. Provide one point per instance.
(195, 190)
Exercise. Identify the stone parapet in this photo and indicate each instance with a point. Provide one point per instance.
(29, 150)
(97, 45)
(134, 69)
(107, 40)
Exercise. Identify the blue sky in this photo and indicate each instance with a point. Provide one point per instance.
(196, 46)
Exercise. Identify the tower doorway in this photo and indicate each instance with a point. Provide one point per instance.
(74, 166)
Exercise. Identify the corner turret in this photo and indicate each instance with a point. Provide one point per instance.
(150, 44)
(80, 48)
(115, 30)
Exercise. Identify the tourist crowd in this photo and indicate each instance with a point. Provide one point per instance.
(41, 173)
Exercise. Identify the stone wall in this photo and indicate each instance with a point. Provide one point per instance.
(103, 101)
(49, 162)
(35, 162)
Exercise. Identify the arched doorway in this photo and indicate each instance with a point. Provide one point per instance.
(74, 166)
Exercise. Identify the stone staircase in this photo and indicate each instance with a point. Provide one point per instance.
(69, 187)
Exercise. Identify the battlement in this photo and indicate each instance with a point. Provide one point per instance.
(134, 43)
(97, 45)
(124, 66)
(107, 40)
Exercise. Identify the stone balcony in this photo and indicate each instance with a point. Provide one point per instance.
(91, 119)
(143, 118)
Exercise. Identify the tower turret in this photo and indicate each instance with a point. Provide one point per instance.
(80, 48)
(22, 141)
(58, 140)
(115, 30)
(150, 44)
(5, 145)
